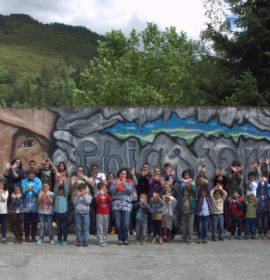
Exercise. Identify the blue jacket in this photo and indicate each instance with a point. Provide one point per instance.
(30, 197)
(60, 202)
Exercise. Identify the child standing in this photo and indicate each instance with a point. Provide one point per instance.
(263, 209)
(103, 201)
(17, 214)
(31, 187)
(186, 202)
(141, 212)
(60, 209)
(218, 195)
(169, 207)
(236, 211)
(3, 208)
(203, 210)
(156, 205)
(45, 212)
(81, 202)
(250, 221)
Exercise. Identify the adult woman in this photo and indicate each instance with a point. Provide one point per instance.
(121, 191)
(14, 174)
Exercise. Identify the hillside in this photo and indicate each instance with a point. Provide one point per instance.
(27, 45)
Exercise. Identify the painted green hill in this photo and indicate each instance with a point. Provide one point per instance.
(27, 45)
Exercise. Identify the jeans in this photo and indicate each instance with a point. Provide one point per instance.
(263, 223)
(141, 230)
(236, 222)
(82, 222)
(250, 226)
(218, 225)
(17, 225)
(3, 223)
(62, 226)
(30, 224)
(121, 218)
(203, 226)
(187, 223)
(45, 218)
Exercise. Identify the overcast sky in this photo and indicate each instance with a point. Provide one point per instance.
(104, 15)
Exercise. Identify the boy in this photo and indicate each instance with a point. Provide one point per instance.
(250, 222)
(81, 203)
(156, 205)
(103, 201)
(218, 195)
(263, 209)
(141, 210)
(236, 210)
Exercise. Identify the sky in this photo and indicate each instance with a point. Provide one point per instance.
(102, 16)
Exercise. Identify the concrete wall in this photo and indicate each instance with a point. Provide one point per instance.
(116, 137)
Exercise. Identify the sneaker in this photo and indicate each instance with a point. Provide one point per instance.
(160, 240)
(126, 242)
(119, 243)
(154, 240)
(204, 241)
(246, 237)
(198, 241)
(232, 237)
(27, 239)
(64, 243)
(138, 242)
(39, 242)
(143, 243)
(239, 237)
(221, 238)
(214, 238)
(52, 242)
(85, 244)
(4, 240)
(78, 244)
(102, 244)
(188, 241)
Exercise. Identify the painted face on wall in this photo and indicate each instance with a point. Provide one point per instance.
(24, 135)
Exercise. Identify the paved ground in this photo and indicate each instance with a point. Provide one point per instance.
(233, 260)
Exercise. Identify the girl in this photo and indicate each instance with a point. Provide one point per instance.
(3, 208)
(17, 214)
(60, 209)
(45, 211)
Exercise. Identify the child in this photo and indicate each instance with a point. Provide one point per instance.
(17, 214)
(31, 187)
(218, 195)
(236, 211)
(60, 210)
(263, 184)
(186, 203)
(156, 205)
(141, 212)
(45, 212)
(169, 207)
(103, 201)
(250, 221)
(3, 208)
(263, 209)
(203, 211)
(81, 202)
(252, 184)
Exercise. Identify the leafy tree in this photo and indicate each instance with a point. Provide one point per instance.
(239, 31)
(149, 68)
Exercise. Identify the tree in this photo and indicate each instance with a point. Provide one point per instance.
(149, 68)
(239, 31)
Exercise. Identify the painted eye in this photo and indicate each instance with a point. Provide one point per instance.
(29, 143)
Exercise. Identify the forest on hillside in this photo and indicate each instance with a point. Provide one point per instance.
(44, 65)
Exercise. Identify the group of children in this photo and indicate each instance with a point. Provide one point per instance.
(163, 201)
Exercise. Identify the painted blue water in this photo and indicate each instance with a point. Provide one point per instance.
(189, 127)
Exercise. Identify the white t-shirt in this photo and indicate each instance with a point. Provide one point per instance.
(3, 202)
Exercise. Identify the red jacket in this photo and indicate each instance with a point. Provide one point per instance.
(103, 205)
(237, 208)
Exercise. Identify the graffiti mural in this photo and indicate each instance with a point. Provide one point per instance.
(116, 137)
